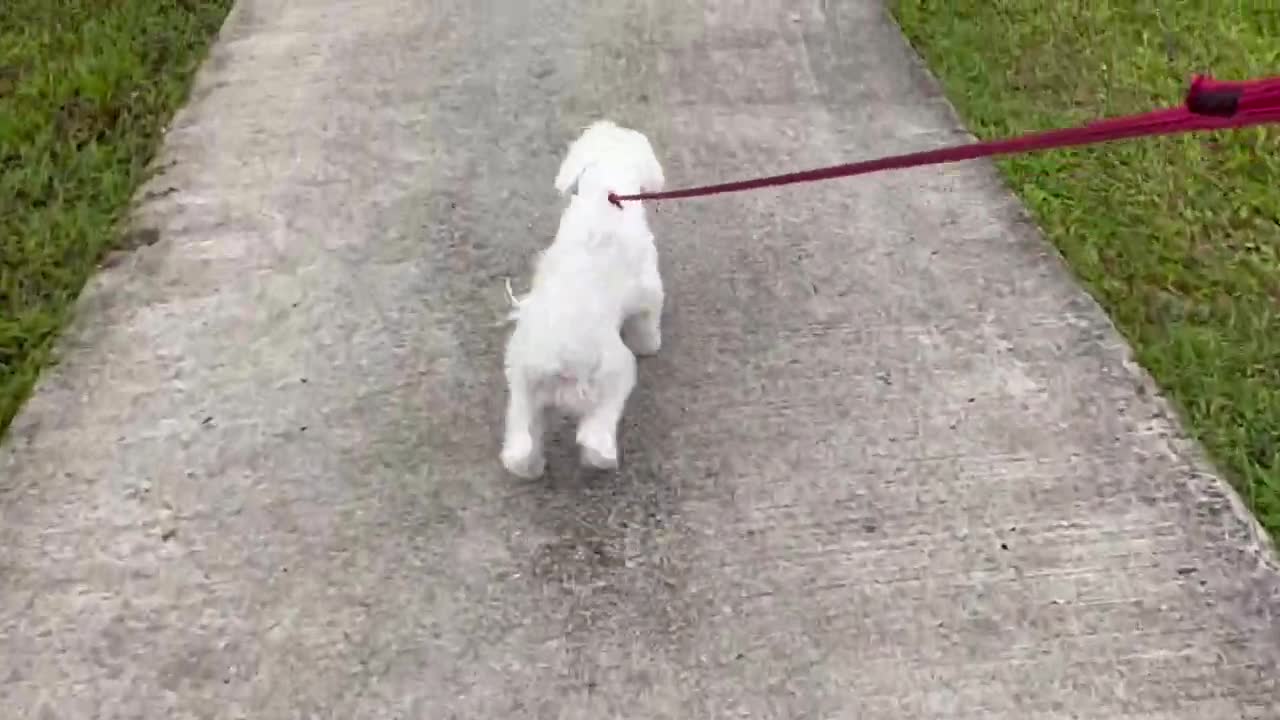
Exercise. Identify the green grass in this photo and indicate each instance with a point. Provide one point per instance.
(1179, 238)
(86, 87)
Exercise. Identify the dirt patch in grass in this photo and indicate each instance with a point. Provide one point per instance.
(86, 88)
(1179, 238)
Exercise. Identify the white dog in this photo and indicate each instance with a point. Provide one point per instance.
(595, 302)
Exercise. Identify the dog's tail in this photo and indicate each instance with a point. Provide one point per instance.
(514, 303)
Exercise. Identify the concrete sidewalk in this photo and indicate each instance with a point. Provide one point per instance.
(892, 464)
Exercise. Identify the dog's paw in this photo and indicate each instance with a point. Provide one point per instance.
(525, 468)
(521, 459)
(599, 451)
(646, 345)
(599, 460)
(642, 341)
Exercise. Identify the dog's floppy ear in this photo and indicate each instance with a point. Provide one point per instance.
(571, 188)
(581, 153)
(572, 167)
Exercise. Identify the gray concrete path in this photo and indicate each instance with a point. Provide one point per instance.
(892, 464)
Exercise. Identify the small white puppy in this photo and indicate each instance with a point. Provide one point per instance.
(595, 302)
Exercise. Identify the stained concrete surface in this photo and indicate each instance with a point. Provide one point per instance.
(892, 462)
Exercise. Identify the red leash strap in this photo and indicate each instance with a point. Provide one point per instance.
(1210, 105)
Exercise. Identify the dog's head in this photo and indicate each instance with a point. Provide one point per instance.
(624, 155)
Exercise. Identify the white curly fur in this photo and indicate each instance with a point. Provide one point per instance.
(595, 302)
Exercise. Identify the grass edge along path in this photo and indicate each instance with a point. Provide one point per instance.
(86, 90)
(1178, 238)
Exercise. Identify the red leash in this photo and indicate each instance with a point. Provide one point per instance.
(1210, 105)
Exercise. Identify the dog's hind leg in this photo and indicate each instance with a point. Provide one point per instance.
(522, 443)
(598, 429)
(642, 331)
